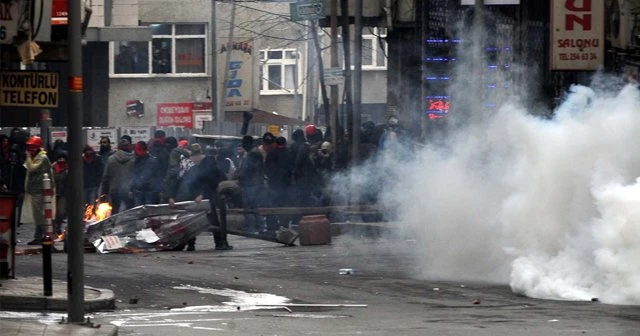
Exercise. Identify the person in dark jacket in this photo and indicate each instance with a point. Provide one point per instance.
(171, 178)
(188, 186)
(277, 169)
(60, 176)
(116, 180)
(92, 174)
(17, 171)
(303, 170)
(144, 182)
(159, 149)
(209, 177)
(251, 179)
(105, 150)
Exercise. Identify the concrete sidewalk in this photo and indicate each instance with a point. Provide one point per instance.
(26, 294)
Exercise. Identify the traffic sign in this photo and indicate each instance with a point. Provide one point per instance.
(333, 76)
(307, 10)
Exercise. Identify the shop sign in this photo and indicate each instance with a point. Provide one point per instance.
(238, 90)
(175, 114)
(9, 17)
(29, 89)
(577, 35)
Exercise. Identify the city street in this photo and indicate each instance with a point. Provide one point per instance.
(262, 288)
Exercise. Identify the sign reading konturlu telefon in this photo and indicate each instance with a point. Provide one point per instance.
(29, 89)
(577, 35)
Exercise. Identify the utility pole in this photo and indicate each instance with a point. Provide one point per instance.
(334, 64)
(215, 112)
(357, 82)
(346, 42)
(222, 100)
(75, 206)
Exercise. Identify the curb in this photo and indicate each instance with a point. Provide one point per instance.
(104, 302)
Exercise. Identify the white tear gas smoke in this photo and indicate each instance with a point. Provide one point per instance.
(550, 205)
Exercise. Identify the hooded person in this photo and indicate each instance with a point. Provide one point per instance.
(37, 166)
(144, 182)
(251, 180)
(92, 174)
(302, 169)
(268, 144)
(116, 180)
(159, 149)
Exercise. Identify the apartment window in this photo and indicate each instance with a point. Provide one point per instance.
(174, 49)
(278, 71)
(374, 49)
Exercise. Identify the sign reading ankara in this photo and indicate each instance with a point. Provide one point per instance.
(29, 89)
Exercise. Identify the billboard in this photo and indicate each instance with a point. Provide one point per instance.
(577, 35)
(239, 87)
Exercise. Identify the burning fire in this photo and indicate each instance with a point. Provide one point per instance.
(97, 213)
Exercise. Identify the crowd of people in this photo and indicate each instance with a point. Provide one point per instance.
(263, 172)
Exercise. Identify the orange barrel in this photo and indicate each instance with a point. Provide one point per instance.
(314, 230)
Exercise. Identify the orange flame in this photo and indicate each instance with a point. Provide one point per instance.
(97, 213)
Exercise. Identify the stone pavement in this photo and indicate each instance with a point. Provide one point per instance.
(26, 294)
(30, 328)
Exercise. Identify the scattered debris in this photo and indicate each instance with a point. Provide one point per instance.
(436, 289)
(476, 301)
(595, 300)
(133, 300)
(346, 271)
(190, 262)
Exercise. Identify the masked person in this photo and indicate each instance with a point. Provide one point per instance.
(92, 169)
(37, 165)
(116, 181)
(144, 182)
(60, 175)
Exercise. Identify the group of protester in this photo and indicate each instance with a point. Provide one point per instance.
(266, 172)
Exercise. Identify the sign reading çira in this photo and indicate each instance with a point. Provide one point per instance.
(577, 34)
(29, 89)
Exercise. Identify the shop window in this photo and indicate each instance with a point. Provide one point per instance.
(175, 49)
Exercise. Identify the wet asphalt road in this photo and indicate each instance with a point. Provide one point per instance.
(214, 293)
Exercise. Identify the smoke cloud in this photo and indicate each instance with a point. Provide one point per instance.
(550, 206)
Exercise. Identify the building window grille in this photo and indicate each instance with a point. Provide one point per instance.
(279, 69)
(175, 49)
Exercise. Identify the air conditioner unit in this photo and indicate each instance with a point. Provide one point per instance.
(620, 23)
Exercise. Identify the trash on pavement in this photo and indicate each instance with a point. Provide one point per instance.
(346, 271)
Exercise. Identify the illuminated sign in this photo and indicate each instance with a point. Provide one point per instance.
(437, 106)
(59, 12)
(29, 89)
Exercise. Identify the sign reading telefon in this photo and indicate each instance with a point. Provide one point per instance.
(238, 90)
(577, 34)
(175, 114)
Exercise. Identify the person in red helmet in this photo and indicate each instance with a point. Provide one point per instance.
(310, 130)
(37, 164)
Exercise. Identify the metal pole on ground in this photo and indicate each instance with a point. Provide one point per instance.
(75, 206)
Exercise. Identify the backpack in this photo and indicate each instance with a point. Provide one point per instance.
(185, 165)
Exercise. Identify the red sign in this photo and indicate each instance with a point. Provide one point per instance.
(175, 114)
(577, 34)
(59, 12)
